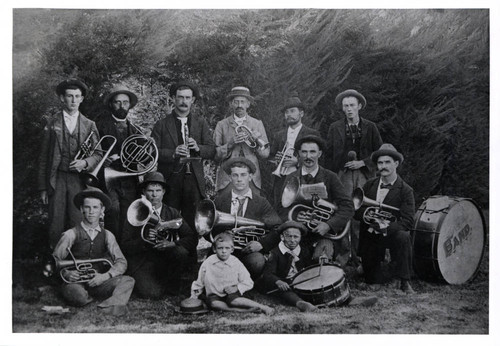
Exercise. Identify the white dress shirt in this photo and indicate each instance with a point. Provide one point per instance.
(70, 120)
(235, 203)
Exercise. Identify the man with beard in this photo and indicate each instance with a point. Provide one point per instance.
(122, 191)
(310, 148)
(231, 144)
(58, 175)
(284, 143)
(183, 140)
(351, 141)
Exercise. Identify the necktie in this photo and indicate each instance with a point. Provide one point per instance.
(385, 186)
(308, 178)
(241, 201)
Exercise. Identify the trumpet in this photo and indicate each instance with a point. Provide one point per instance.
(85, 148)
(86, 268)
(375, 211)
(281, 171)
(250, 138)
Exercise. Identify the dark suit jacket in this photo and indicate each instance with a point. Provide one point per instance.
(107, 126)
(165, 135)
(278, 265)
(50, 150)
(336, 194)
(370, 142)
(137, 251)
(258, 209)
(279, 139)
(400, 196)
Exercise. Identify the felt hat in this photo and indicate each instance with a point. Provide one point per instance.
(293, 101)
(156, 178)
(292, 224)
(92, 192)
(227, 165)
(387, 149)
(121, 89)
(310, 138)
(192, 306)
(69, 83)
(240, 91)
(184, 83)
(348, 93)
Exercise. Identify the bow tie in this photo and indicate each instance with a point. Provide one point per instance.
(385, 186)
(307, 178)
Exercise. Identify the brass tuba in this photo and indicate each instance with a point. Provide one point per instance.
(244, 230)
(86, 267)
(141, 213)
(375, 210)
(250, 138)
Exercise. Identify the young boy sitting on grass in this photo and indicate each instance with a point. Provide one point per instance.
(225, 279)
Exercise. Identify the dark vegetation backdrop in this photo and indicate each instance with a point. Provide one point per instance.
(425, 74)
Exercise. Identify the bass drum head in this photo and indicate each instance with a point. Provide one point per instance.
(461, 242)
(330, 275)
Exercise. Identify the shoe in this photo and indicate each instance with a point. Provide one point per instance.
(406, 287)
(115, 310)
(306, 306)
(268, 310)
(368, 301)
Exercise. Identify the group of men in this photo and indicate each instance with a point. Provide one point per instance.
(352, 155)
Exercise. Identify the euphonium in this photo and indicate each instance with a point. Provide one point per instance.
(250, 139)
(281, 171)
(141, 213)
(86, 268)
(375, 210)
(90, 178)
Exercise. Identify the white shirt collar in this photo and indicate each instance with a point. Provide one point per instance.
(71, 116)
(391, 182)
(90, 230)
(285, 250)
(313, 173)
(247, 194)
(241, 120)
(297, 129)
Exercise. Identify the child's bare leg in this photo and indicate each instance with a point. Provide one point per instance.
(248, 303)
(222, 306)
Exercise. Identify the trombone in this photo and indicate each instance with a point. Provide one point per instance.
(90, 178)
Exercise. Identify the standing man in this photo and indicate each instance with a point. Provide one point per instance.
(241, 201)
(231, 144)
(157, 264)
(88, 241)
(310, 149)
(284, 143)
(58, 175)
(178, 136)
(351, 141)
(122, 191)
(392, 190)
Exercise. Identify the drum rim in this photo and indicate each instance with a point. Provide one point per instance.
(333, 285)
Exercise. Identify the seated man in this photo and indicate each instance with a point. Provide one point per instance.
(88, 241)
(241, 201)
(158, 263)
(225, 279)
(380, 234)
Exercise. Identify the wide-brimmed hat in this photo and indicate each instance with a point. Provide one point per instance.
(310, 138)
(387, 149)
(192, 306)
(240, 91)
(292, 224)
(293, 101)
(121, 89)
(92, 192)
(175, 86)
(348, 93)
(69, 83)
(156, 178)
(227, 165)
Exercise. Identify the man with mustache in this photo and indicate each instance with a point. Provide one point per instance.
(310, 149)
(231, 144)
(119, 101)
(183, 139)
(58, 175)
(375, 237)
(284, 141)
(351, 141)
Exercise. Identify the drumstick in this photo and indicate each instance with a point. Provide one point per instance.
(297, 283)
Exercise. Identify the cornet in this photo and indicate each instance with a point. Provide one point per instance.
(281, 171)
(250, 139)
(85, 148)
(375, 210)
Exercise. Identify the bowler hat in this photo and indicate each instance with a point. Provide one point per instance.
(184, 83)
(70, 84)
(121, 89)
(293, 101)
(240, 91)
(240, 159)
(156, 178)
(387, 149)
(292, 224)
(310, 138)
(91, 192)
(192, 306)
(348, 93)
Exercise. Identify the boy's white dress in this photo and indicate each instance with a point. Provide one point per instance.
(214, 275)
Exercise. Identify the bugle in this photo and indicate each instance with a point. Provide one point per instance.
(250, 138)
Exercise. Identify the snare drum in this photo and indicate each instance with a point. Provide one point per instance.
(448, 240)
(328, 288)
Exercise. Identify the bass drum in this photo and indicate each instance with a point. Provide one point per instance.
(448, 240)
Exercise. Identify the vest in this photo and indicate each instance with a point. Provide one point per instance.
(70, 146)
(84, 248)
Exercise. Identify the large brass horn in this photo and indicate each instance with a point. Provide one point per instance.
(375, 210)
(90, 178)
(86, 268)
(207, 218)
